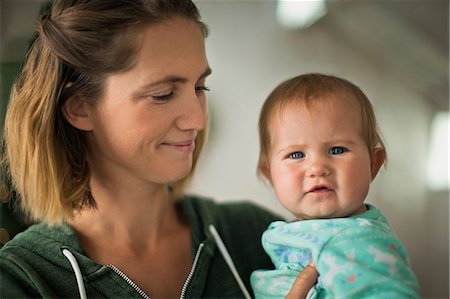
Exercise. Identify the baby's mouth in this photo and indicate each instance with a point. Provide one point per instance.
(319, 189)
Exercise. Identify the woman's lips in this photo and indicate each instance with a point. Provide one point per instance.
(183, 146)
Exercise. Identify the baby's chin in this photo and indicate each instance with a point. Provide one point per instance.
(329, 214)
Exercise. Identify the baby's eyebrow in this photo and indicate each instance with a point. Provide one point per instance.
(294, 147)
(343, 141)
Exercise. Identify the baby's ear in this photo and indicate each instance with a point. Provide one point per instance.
(378, 158)
(76, 112)
(264, 173)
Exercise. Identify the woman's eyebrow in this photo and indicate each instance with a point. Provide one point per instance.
(206, 73)
(171, 79)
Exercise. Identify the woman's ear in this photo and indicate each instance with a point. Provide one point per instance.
(378, 158)
(76, 112)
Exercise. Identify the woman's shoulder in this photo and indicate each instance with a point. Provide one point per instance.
(238, 222)
(39, 239)
(232, 210)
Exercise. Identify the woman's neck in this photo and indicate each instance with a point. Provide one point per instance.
(137, 216)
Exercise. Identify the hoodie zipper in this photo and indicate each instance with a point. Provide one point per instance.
(142, 293)
(191, 274)
(129, 281)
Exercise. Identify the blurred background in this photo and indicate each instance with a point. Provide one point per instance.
(395, 50)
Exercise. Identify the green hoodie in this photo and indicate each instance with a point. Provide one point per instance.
(33, 265)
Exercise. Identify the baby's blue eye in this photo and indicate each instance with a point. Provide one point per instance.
(337, 150)
(296, 155)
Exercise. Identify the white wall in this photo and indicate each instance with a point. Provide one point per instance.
(250, 55)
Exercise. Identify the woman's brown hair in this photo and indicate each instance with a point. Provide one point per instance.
(78, 44)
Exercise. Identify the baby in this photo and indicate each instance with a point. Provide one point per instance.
(320, 150)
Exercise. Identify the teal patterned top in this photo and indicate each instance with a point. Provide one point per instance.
(356, 257)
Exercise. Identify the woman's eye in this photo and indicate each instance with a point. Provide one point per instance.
(296, 155)
(337, 150)
(201, 89)
(163, 97)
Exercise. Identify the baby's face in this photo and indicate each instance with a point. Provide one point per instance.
(320, 166)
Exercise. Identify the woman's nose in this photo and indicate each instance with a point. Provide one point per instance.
(193, 113)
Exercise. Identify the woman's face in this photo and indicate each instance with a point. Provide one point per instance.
(145, 125)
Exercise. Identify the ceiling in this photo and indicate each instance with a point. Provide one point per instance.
(409, 38)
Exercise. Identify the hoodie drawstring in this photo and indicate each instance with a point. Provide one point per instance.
(223, 250)
(77, 271)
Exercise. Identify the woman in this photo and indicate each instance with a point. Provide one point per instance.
(104, 128)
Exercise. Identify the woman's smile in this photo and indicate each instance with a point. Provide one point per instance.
(187, 146)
